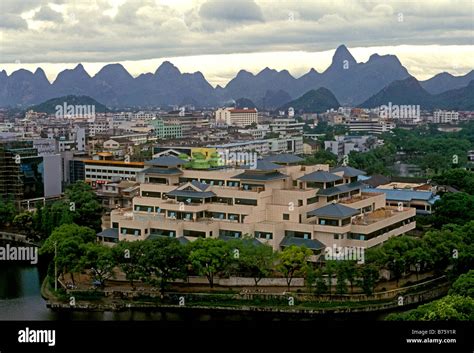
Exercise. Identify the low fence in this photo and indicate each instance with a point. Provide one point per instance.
(245, 282)
(15, 237)
(410, 294)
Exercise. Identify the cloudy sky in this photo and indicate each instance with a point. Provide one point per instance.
(220, 37)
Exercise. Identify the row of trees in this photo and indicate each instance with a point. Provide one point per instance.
(164, 259)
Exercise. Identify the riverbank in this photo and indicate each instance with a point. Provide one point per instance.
(288, 304)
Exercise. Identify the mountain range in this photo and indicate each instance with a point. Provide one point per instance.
(411, 92)
(349, 81)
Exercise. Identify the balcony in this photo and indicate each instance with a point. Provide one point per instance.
(378, 215)
(362, 197)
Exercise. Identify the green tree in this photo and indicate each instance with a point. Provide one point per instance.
(455, 208)
(255, 260)
(330, 271)
(97, 258)
(7, 212)
(85, 207)
(209, 257)
(341, 276)
(321, 285)
(451, 307)
(24, 223)
(321, 157)
(293, 261)
(464, 285)
(69, 240)
(460, 179)
(419, 258)
(349, 272)
(164, 260)
(369, 274)
(127, 255)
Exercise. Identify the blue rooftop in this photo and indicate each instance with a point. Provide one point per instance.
(406, 195)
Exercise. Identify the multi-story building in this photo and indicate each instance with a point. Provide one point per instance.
(278, 202)
(236, 117)
(344, 144)
(24, 174)
(372, 126)
(103, 171)
(445, 117)
(292, 145)
(164, 130)
(114, 195)
(189, 122)
(422, 201)
(287, 127)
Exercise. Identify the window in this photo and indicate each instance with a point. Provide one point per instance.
(151, 194)
(291, 233)
(233, 217)
(264, 235)
(246, 202)
(194, 233)
(171, 214)
(300, 203)
(163, 232)
(328, 222)
(286, 217)
(230, 233)
(312, 200)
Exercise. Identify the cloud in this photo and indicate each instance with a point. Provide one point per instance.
(231, 11)
(10, 21)
(46, 13)
(138, 30)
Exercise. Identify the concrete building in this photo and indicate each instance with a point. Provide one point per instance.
(445, 117)
(345, 144)
(236, 117)
(371, 126)
(164, 130)
(287, 127)
(280, 203)
(114, 195)
(422, 201)
(24, 174)
(102, 171)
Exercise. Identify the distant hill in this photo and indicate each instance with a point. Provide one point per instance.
(456, 99)
(244, 103)
(410, 92)
(273, 99)
(445, 82)
(50, 105)
(314, 101)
